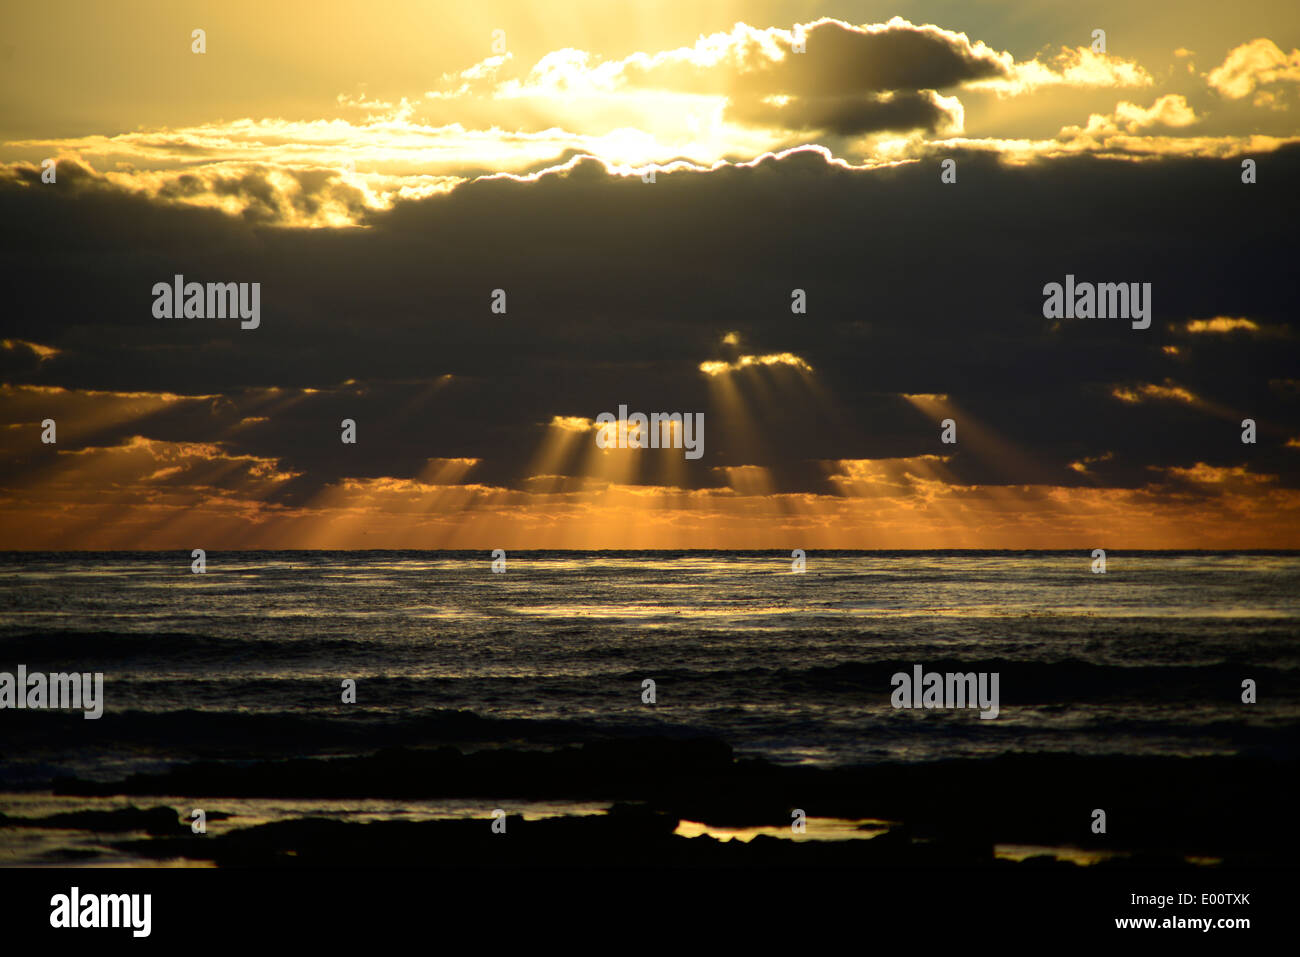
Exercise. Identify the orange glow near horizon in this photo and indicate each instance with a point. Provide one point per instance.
(147, 493)
(155, 495)
(929, 515)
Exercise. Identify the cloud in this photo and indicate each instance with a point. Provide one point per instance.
(870, 94)
(854, 115)
(1077, 67)
(140, 469)
(1100, 139)
(848, 80)
(1082, 466)
(573, 423)
(617, 290)
(1149, 390)
(39, 352)
(1168, 110)
(716, 367)
(1269, 99)
(1221, 324)
(840, 60)
(1261, 61)
(1115, 133)
(20, 357)
(1218, 476)
(265, 194)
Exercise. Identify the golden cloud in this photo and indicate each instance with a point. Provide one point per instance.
(1221, 324)
(721, 367)
(1247, 66)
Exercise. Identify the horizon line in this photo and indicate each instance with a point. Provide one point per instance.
(779, 551)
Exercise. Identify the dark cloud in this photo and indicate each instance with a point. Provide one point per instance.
(618, 290)
(849, 115)
(265, 195)
(849, 80)
(839, 60)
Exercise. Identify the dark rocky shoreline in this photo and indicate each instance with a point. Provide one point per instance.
(947, 813)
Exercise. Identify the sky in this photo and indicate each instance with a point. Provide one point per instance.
(830, 229)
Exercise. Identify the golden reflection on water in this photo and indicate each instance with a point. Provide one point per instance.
(1076, 855)
(818, 829)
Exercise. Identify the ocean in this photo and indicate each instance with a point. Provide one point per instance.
(248, 659)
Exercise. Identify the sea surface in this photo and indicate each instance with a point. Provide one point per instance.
(248, 659)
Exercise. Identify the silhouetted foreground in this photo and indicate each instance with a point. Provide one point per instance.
(951, 813)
